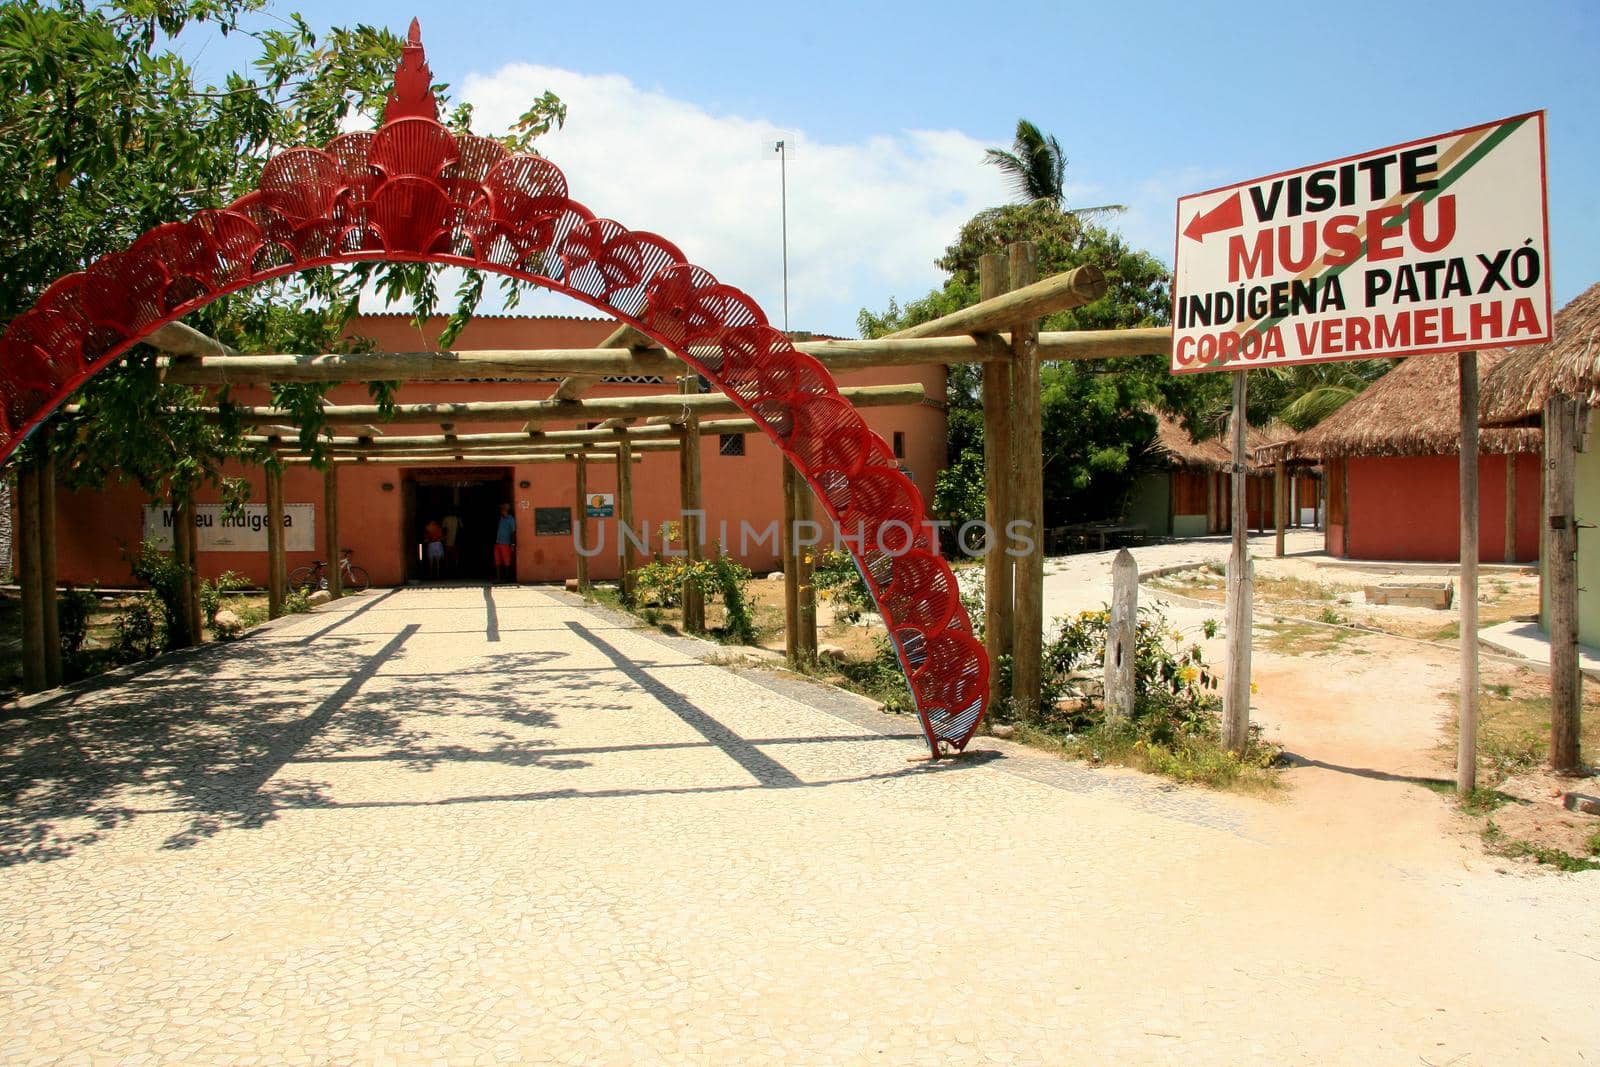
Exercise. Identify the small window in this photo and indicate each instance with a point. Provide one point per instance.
(730, 444)
(550, 522)
(899, 445)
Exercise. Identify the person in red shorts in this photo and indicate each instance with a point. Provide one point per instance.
(505, 546)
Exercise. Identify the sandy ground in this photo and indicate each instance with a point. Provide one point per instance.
(495, 826)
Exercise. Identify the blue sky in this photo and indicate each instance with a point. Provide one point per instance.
(891, 105)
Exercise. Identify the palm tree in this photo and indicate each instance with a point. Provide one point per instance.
(1037, 169)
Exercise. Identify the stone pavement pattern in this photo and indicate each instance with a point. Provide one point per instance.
(487, 826)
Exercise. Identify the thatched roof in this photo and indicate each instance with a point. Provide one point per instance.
(1414, 410)
(1568, 363)
(1214, 453)
(1182, 450)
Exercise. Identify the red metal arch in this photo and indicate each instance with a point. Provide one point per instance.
(413, 191)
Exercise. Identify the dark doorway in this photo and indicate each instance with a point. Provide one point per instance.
(472, 495)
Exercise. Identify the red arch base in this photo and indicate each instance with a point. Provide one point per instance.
(413, 191)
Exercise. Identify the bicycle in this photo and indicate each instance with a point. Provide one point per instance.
(352, 576)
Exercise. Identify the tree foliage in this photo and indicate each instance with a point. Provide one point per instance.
(1096, 414)
(106, 131)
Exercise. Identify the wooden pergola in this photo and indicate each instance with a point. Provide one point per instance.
(1001, 333)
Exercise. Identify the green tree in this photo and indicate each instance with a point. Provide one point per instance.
(108, 132)
(1096, 414)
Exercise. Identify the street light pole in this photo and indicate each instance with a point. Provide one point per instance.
(781, 147)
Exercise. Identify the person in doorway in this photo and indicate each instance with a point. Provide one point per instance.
(452, 561)
(505, 546)
(433, 548)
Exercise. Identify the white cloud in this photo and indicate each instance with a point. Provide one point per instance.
(866, 220)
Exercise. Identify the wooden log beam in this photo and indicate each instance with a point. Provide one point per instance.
(330, 530)
(1026, 495)
(1467, 594)
(183, 536)
(567, 411)
(691, 596)
(623, 337)
(574, 438)
(472, 459)
(25, 540)
(625, 526)
(48, 603)
(1022, 303)
(580, 481)
(179, 340)
(543, 364)
(1561, 414)
(1280, 502)
(791, 569)
(993, 278)
(277, 574)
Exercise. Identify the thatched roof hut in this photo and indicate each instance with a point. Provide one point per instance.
(1568, 363)
(1180, 448)
(1414, 410)
(1214, 453)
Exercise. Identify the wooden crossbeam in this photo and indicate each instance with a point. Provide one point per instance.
(476, 459)
(1060, 292)
(565, 411)
(543, 364)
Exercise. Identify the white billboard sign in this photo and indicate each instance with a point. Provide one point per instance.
(246, 532)
(1438, 245)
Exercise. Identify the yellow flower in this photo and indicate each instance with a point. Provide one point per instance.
(1253, 688)
(1188, 675)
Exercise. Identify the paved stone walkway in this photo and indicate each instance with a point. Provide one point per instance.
(490, 825)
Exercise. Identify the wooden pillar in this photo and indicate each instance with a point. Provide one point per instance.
(1213, 523)
(1467, 593)
(583, 546)
(49, 607)
(993, 279)
(692, 597)
(1236, 695)
(1510, 555)
(277, 574)
(793, 646)
(1122, 637)
(25, 545)
(1566, 685)
(629, 552)
(1280, 501)
(330, 529)
(804, 566)
(181, 630)
(1027, 495)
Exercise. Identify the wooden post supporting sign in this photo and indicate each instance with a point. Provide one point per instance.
(1566, 692)
(1467, 594)
(581, 485)
(691, 597)
(1236, 696)
(49, 606)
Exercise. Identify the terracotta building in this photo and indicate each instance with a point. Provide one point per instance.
(383, 509)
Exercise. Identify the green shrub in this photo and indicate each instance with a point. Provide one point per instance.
(140, 629)
(661, 581)
(166, 578)
(211, 593)
(836, 576)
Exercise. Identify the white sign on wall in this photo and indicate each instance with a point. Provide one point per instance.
(247, 532)
(1438, 245)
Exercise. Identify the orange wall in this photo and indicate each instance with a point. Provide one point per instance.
(1407, 508)
(95, 526)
